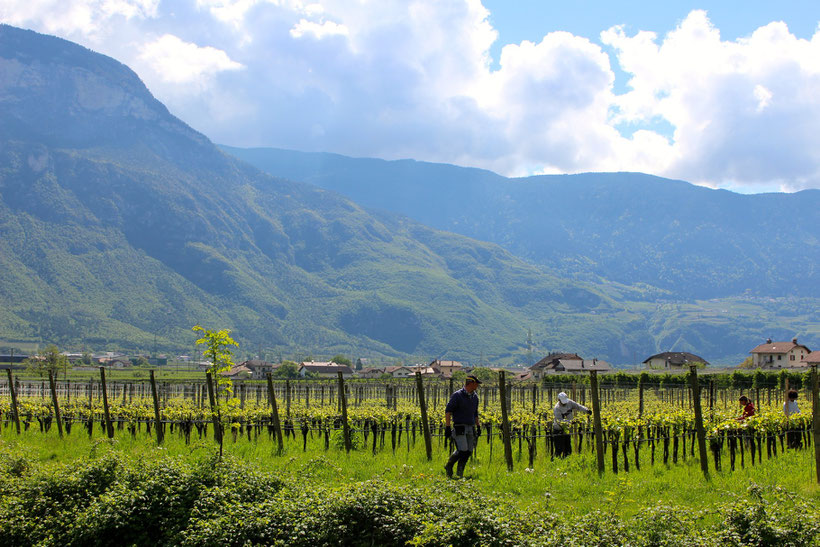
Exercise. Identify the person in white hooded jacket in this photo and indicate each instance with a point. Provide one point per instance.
(564, 412)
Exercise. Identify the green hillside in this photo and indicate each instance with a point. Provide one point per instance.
(694, 242)
(120, 225)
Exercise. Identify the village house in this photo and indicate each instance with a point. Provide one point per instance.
(399, 371)
(779, 354)
(574, 366)
(673, 360)
(446, 368)
(812, 358)
(105, 358)
(238, 372)
(324, 369)
(371, 372)
(259, 369)
(425, 370)
(548, 364)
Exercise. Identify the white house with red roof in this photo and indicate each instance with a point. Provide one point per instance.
(779, 354)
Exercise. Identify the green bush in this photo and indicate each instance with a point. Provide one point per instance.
(110, 500)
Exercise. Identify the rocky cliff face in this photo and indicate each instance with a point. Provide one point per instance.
(58, 93)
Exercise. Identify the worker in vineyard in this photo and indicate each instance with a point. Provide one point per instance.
(461, 424)
(748, 408)
(564, 413)
(794, 437)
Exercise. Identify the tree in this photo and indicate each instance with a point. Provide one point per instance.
(288, 370)
(484, 374)
(217, 350)
(48, 360)
(341, 360)
(459, 375)
(358, 364)
(747, 363)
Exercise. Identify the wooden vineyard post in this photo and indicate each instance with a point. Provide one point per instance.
(14, 401)
(287, 398)
(815, 420)
(109, 428)
(157, 422)
(343, 406)
(701, 433)
(215, 418)
(57, 416)
(425, 424)
(275, 414)
(640, 395)
(505, 421)
(596, 420)
(534, 398)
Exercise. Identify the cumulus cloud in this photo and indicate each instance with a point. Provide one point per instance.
(744, 111)
(180, 62)
(317, 30)
(399, 78)
(73, 17)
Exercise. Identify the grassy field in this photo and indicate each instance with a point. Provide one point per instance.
(570, 486)
(86, 489)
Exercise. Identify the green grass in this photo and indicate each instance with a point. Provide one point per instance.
(570, 487)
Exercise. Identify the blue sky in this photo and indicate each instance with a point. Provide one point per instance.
(724, 94)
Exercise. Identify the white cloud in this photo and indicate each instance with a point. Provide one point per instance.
(412, 78)
(180, 62)
(74, 17)
(744, 112)
(317, 30)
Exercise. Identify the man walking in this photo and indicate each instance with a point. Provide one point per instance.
(564, 412)
(462, 413)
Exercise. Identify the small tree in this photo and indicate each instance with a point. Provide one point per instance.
(217, 350)
(484, 374)
(747, 363)
(48, 360)
(287, 370)
(341, 360)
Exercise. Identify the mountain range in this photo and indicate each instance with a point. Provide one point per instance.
(692, 241)
(122, 227)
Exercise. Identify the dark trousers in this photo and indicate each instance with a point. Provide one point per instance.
(459, 457)
(794, 438)
(562, 443)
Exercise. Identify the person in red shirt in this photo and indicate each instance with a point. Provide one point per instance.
(748, 408)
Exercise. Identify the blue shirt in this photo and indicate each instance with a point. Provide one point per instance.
(464, 407)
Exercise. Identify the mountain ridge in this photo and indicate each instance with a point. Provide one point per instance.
(720, 243)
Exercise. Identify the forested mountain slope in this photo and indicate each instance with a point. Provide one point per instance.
(629, 227)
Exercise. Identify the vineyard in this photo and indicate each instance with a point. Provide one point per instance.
(359, 462)
(646, 424)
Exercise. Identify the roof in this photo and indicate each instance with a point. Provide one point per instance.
(584, 364)
(238, 369)
(451, 364)
(326, 367)
(678, 358)
(812, 358)
(259, 363)
(553, 358)
(391, 370)
(778, 347)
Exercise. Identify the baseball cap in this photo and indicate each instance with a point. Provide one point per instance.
(563, 397)
(473, 379)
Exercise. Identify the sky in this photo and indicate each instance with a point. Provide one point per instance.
(724, 94)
